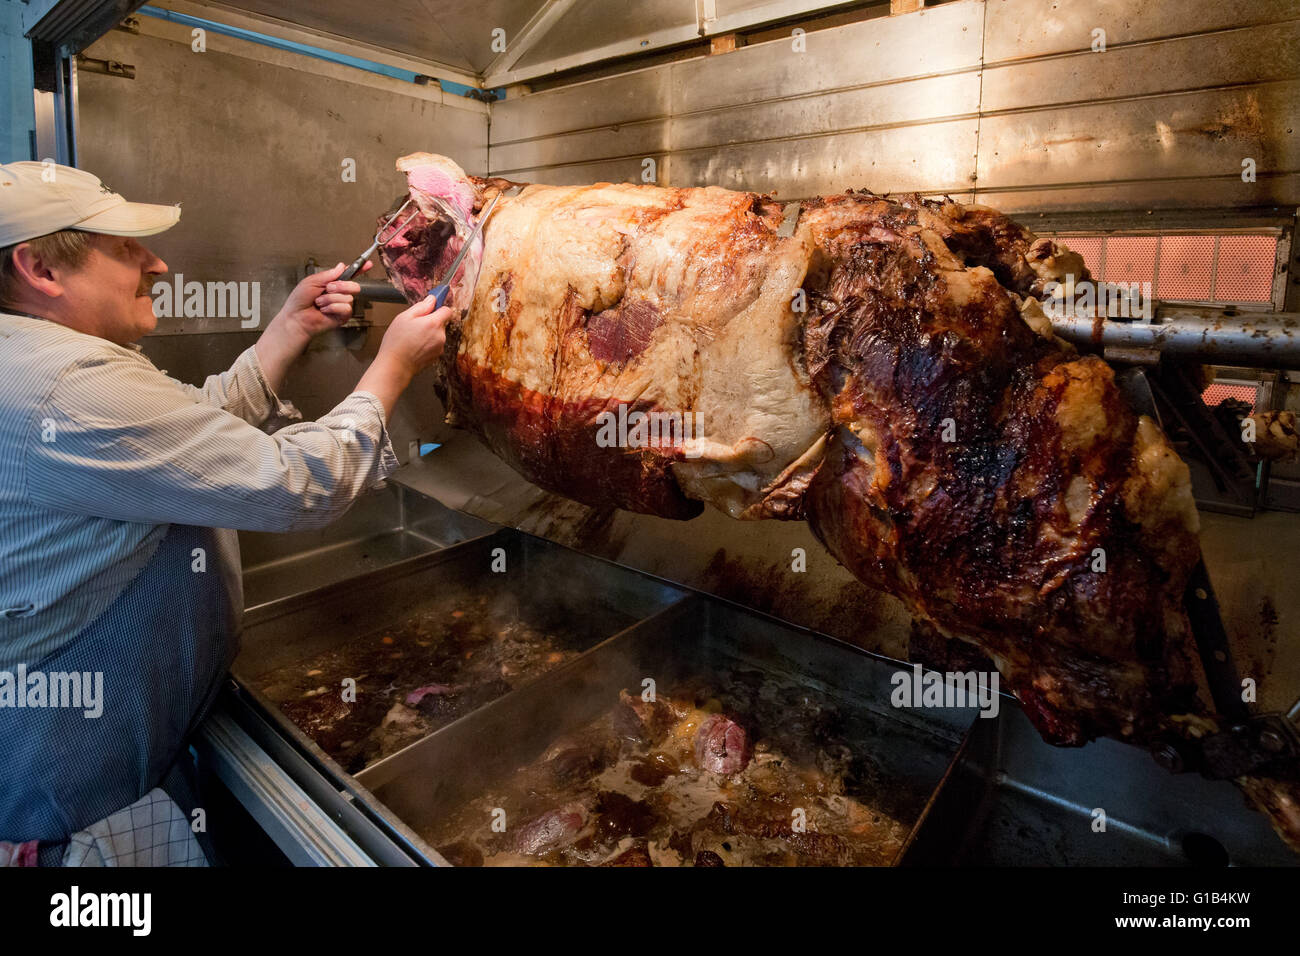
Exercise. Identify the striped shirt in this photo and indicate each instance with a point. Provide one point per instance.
(100, 452)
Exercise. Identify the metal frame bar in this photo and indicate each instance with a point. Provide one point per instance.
(55, 103)
(45, 143)
(72, 25)
(1214, 266)
(705, 25)
(66, 107)
(541, 22)
(1155, 267)
(1283, 492)
(302, 831)
(285, 30)
(1281, 269)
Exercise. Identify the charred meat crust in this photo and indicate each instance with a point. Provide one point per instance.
(962, 506)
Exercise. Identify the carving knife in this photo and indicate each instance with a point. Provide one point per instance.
(440, 291)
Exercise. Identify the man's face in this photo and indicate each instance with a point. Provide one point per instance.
(110, 292)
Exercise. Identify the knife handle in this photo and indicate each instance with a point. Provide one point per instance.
(439, 294)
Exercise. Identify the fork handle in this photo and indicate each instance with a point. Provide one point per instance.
(356, 266)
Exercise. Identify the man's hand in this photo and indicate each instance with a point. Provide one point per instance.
(317, 304)
(320, 302)
(413, 342)
(415, 338)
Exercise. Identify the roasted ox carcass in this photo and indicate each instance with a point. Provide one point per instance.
(883, 372)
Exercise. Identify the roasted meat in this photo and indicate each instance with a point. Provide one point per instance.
(721, 745)
(800, 797)
(552, 829)
(884, 373)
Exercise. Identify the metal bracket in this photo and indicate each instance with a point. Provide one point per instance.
(1252, 744)
(1212, 642)
(107, 67)
(1267, 744)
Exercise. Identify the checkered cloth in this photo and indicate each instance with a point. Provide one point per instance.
(153, 831)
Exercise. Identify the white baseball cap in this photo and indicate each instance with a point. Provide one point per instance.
(40, 198)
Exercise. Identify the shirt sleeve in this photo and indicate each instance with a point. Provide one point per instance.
(241, 390)
(126, 443)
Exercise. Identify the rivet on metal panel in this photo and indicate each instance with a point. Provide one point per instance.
(1167, 756)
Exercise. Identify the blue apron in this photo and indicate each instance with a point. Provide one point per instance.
(163, 647)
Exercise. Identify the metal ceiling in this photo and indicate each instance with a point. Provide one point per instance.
(462, 40)
(458, 33)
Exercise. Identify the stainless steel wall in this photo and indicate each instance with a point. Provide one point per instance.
(251, 140)
(1001, 100)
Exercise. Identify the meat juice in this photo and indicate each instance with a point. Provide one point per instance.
(455, 654)
(739, 769)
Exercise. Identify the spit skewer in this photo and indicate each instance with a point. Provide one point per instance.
(1263, 340)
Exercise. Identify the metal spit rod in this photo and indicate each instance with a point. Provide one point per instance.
(1263, 340)
(1259, 340)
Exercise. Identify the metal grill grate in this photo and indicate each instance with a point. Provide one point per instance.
(1131, 258)
(1212, 269)
(1245, 271)
(1092, 248)
(1186, 267)
(1219, 391)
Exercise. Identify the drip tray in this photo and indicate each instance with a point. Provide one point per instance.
(517, 702)
(761, 746)
(356, 671)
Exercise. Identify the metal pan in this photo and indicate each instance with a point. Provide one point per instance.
(540, 577)
(910, 751)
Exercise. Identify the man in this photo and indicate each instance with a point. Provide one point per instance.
(114, 582)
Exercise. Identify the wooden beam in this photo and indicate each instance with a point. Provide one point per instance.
(904, 6)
